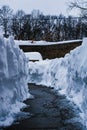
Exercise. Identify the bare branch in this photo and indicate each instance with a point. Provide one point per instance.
(79, 5)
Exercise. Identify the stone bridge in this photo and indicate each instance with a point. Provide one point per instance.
(53, 50)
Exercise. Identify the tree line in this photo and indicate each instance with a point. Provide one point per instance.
(37, 26)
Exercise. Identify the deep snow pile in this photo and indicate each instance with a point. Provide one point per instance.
(67, 75)
(13, 80)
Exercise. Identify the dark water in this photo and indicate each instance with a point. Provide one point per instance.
(49, 111)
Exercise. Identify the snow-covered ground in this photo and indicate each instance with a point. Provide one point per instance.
(13, 81)
(42, 43)
(67, 75)
(33, 56)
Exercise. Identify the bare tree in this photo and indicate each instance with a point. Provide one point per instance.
(17, 24)
(80, 4)
(5, 18)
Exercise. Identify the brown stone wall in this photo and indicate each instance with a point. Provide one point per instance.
(51, 51)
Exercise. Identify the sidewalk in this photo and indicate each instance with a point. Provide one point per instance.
(49, 112)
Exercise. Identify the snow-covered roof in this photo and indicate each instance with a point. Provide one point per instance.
(33, 56)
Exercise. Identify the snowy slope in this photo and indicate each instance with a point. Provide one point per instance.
(13, 80)
(67, 75)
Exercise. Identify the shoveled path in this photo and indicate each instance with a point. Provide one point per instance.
(50, 111)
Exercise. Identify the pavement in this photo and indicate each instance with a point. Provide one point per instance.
(48, 111)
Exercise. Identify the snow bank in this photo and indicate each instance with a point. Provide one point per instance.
(67, 75)
(13, 80)
(33, 56)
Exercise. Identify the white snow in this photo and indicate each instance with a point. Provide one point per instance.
(13, 81)
(33, 56)
(67, 75)
(1, 30)
(43, 43)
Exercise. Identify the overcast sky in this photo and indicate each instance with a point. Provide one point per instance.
(53, 7)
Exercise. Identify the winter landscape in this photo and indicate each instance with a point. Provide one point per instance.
(43, 67)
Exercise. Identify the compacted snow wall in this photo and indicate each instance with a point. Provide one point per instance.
(13, 80)
(67, 75)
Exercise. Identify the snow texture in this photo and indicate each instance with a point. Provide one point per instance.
(67, 75)
(42, 43)
(33, 56)
(13, 81)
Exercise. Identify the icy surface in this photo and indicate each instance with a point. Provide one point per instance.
(67, 75)
(42, 43)
(13, 80)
